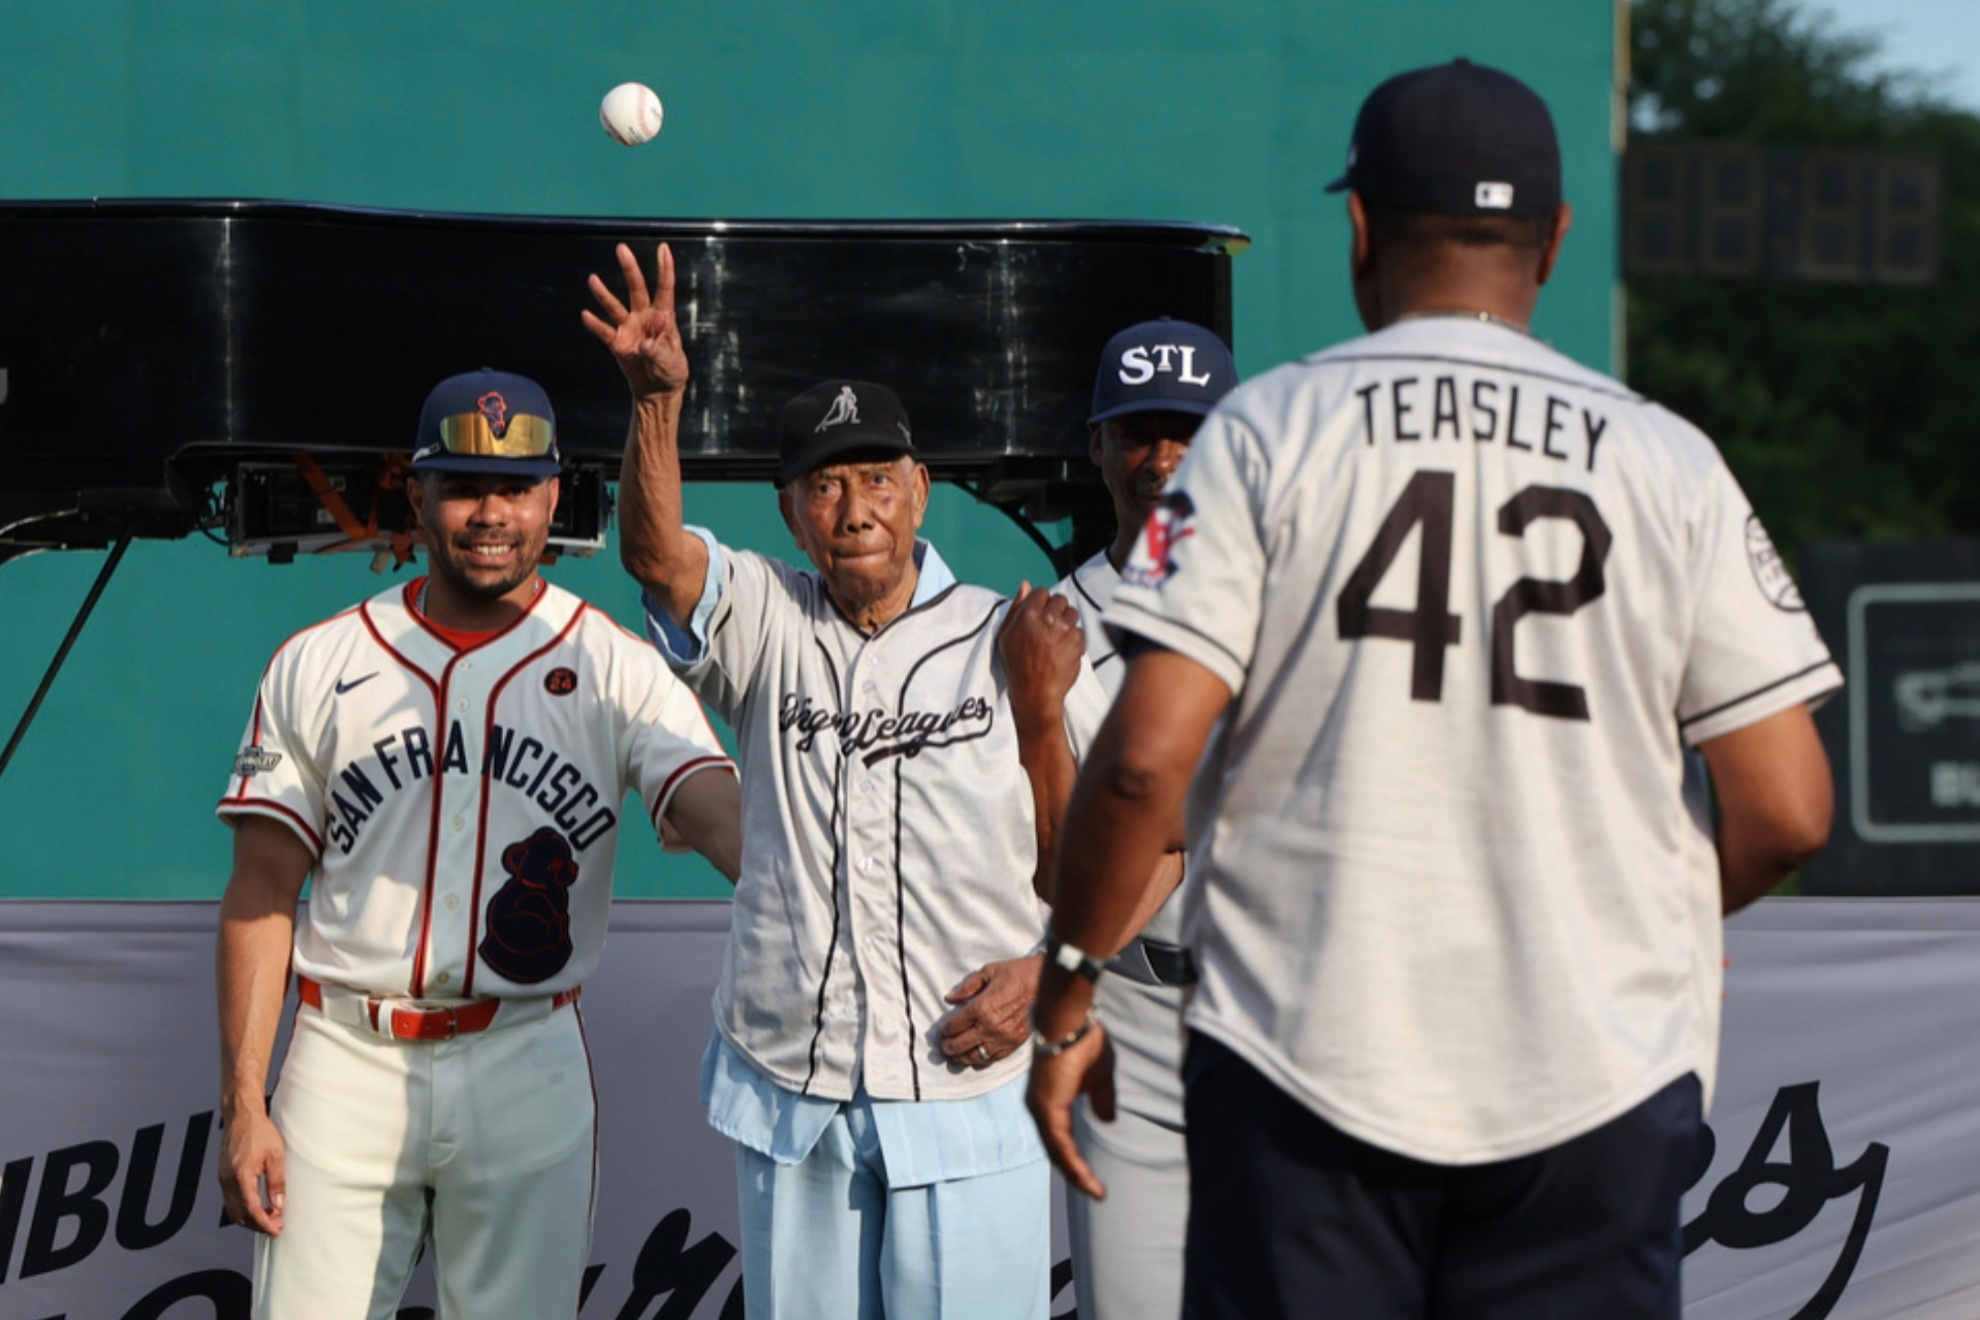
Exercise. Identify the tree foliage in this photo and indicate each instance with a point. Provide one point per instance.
(1844, 410)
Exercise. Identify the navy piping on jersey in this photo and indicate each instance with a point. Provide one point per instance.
(1326, 360)
(1756, 692)
(912, 609)
(832, 949)
(838, 784)
(1080, 587)
(1194, 632)
(591, 1079)
(900, 886)
(900, 936)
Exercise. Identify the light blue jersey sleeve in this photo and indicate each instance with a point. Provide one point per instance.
(680, 646)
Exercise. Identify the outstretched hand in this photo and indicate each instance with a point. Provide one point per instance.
(641, 330)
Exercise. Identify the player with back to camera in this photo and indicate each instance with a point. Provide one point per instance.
(1457, 933)
(905, 744)
(448, 763)
(1153, 386)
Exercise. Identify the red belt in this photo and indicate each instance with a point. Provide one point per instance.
(409, 1023)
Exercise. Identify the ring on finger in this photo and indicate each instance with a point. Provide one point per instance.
(983, 1053)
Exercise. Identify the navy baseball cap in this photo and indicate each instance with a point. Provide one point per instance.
(836, 419)
(1455, 139)
(489, 422)
(1174, 366)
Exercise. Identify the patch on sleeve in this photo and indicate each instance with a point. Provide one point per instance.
(254, 760)
(1769, 570)
(1153, 561)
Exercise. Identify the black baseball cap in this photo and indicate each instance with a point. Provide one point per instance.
(489, 422)
(1455, 139)
(838, 418)
(1173, 366)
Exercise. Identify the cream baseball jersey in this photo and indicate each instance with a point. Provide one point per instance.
(1474, 600)
(1090, 587)
(463, 807)
(889, 837)
(1144, 1021)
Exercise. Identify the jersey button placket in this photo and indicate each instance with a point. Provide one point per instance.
(875, 902)
(453, 872)
(872, 893)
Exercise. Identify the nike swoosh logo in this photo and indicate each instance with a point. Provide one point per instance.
(342, 688)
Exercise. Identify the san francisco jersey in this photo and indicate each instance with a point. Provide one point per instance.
(889, 836)
(1473, 600)
(463, 807)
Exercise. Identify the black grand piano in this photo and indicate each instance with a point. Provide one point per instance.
(163, 364)
(253, 370)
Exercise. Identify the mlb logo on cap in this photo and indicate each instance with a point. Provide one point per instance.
(1455, 139)
(1172, 366)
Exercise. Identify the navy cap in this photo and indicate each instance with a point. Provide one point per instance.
(1455, 139)
(835, 419)
(489, 422)
(1173, 366)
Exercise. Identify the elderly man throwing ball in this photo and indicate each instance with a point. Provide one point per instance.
(904, 743)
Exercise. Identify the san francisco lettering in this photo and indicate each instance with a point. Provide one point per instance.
(512, 760)
(876, 734)
(1523, 417)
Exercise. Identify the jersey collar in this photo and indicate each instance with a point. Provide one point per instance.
(933, 576)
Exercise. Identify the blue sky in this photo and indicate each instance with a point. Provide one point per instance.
(1940, 38)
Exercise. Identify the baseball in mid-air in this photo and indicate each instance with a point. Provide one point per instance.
(630, 112)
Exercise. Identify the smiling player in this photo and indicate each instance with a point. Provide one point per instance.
(448, 762)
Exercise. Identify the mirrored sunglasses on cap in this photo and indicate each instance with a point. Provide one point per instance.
(470, 435)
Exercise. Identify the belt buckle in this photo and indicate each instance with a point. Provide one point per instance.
(424, 1023)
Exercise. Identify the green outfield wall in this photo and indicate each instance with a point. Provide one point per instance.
(1236, 113)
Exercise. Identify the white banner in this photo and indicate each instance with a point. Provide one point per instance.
(1845, 1176)
(1844, 1182)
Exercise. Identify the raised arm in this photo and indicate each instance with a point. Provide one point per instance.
(257, 928)
(1775, 796)
(645, 340)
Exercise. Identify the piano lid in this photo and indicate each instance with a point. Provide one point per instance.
(146, 347)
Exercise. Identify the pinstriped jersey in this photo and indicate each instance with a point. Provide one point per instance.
(1474, 600)
(463, 807)
(889, 837)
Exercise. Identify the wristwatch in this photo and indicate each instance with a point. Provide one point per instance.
(1072, 958)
